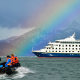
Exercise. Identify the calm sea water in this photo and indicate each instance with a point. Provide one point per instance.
(33, 68)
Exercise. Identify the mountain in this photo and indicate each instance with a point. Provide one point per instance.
(9, 39)
(43, 36)
(6, 48)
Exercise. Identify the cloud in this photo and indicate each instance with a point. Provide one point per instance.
(7, 33)
(15, 12)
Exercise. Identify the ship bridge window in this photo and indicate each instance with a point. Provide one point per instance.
(57, 41)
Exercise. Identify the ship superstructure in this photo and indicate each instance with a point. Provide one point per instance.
(68, 47)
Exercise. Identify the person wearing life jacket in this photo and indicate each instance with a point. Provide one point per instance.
(12, 59)
(16, 60)
(8, 63)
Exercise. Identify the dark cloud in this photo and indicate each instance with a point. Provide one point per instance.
(16, 12)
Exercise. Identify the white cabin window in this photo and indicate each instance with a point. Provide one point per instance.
(59, 45)
(62, 45)
(72, 45)
(73, 48)
(62, 48)
(76, 45)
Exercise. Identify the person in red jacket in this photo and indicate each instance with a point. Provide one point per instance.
(12, 59)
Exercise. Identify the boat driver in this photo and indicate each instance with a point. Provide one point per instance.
(8, 63)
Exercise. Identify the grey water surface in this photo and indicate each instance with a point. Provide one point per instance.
(33, 68)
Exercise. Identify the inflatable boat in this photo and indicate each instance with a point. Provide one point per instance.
(8, 70)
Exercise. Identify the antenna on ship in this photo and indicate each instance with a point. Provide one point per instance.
(73, 34)
(32, 48)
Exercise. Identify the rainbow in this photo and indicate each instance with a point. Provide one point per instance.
(52, 14)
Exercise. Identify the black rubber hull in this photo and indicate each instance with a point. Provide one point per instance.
(9, 70)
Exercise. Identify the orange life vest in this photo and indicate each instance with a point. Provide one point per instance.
(16, 60)
(12, 60)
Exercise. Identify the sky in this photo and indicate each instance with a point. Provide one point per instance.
(15, 14)
(20, 16)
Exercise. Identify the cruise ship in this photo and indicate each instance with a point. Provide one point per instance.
(63, 48)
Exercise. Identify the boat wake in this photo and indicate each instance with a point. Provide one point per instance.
(19, 73)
